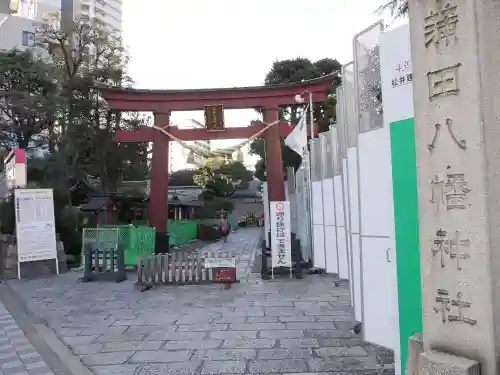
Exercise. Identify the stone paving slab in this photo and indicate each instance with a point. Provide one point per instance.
(17, 355)
(281, 326)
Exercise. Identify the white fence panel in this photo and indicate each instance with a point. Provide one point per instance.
(352, 171)
(267, 227)
(303, 211)
(319, 258)
(327, 172)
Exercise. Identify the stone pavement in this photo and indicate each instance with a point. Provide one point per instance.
(17, 355)
(244, 243)
(282, 326)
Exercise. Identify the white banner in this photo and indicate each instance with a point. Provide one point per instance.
(281, 241)
(397, 74)
(35, 225)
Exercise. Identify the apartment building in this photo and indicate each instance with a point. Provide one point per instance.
(106, 12)
(18, 23)
(181, 158)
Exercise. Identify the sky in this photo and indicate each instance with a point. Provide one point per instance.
(189, 44)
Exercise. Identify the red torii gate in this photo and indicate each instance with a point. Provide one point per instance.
(163, 102)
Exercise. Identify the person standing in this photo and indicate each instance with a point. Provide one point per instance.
(224, 227)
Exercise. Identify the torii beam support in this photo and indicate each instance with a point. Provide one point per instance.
(200, 134)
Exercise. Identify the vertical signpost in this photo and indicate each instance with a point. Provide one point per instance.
(281, 241)
(35, 226)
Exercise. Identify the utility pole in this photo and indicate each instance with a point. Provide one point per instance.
(70, 11)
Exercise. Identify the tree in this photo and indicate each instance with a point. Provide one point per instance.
(291, 71)
(236, 172)
(398, 8)
(114, 162)
(222, 181)
(183, 177)
(290, 158)
(300, 69)
(85, 134)
(28, 102)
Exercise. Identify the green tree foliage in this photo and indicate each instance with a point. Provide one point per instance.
(300, 69)
(49, 95)
(85, 137)
(29, 99)
(292, 71)
(183, 177)
(290, 158)
(221, 181)
(77, 125)
(236, 172)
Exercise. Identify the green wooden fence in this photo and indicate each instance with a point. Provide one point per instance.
(137, 240)
(182, 231)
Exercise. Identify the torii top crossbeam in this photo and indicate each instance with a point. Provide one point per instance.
(164, 101)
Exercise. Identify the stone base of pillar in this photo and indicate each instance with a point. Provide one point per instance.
(437, 363)
(266, 252)
(296, 256)
(296, 259)
(41, 268)
(415, 350)
(162, 243)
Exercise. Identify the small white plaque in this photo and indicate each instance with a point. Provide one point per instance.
(220, 263)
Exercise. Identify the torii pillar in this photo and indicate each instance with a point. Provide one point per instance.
(274, 159)
(158, 196)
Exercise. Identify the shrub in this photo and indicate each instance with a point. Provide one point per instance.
(208, 233)
(212, 209)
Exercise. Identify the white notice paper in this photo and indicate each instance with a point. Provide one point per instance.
(220, 263)
(281, 240)
(35, 224)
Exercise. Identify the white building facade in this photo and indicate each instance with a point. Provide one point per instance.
(181, 157)
(17, 29)
(106, 12)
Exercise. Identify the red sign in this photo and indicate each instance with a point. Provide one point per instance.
(224, 275)
(280, 206)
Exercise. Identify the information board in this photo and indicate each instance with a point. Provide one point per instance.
(35, 225)
(220, 262)
(281, 240)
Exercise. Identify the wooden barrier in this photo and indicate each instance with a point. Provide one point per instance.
(184, 269)
(104, 264)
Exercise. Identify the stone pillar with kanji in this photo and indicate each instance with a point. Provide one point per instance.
(456, 75)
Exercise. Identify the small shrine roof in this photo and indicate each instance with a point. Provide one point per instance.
(96, 203)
